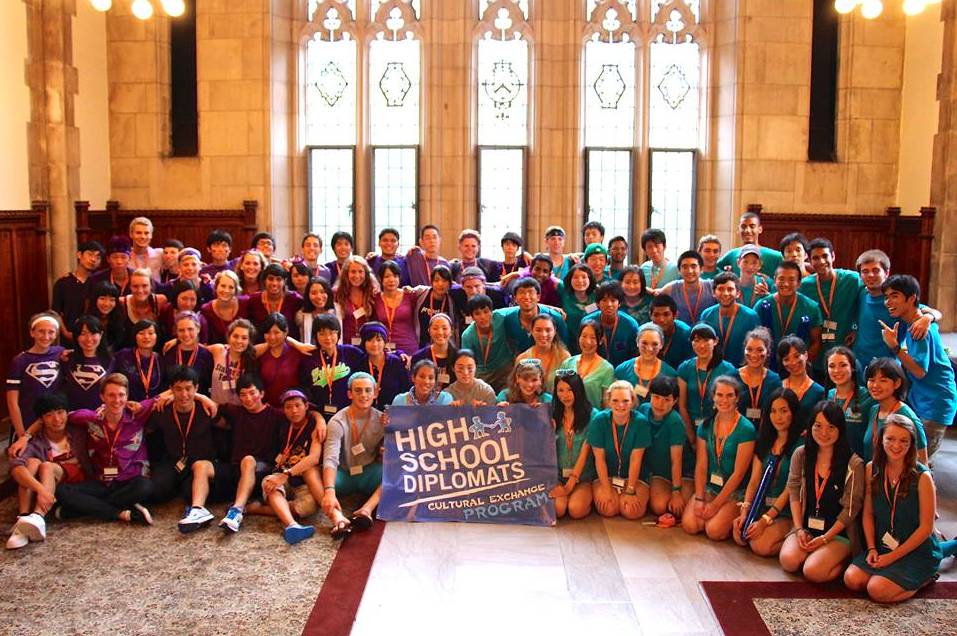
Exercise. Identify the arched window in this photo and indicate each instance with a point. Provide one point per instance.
(503, 98)
(330, 95)
(395, 71)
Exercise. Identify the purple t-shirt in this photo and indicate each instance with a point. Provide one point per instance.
(279, 374)
(126, 453)
(254, 434)
(376, 262)
(33, 374)
(257, 309)
(81, 381)
(402, 324)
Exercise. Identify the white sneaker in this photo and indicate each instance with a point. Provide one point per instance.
(33, 527)
(232, 520)
(16, 540)
(196, 518)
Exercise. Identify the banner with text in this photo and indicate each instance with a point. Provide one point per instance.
(476, 464)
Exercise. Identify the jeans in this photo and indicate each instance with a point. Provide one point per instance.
(101, 500)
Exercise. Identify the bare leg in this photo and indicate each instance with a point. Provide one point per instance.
(827, 562)
(50, 474)
(771, 540)
(579, 502)
(247, 481)
(718, 527)
(660, 496)
(856, 579)
(792, 557)
(203, 472)
(883, 590)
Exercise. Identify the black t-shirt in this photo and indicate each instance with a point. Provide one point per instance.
(830, 504)
(199, 440)
(69, 298)
(253, 433)
(299, 441)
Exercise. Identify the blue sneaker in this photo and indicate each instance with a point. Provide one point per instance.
(232, 520)
(294, 533)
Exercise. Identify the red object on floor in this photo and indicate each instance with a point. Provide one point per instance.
(731, 601)
(338, 600)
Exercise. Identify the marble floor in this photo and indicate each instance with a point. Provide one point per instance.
(605, 576)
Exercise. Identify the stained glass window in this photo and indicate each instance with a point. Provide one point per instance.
(395, 196)
(331, 86)
(609, 94)
(394, 87)
(502, 92)
(331, 190)
(673, 94)
(672, 198)
(501, 196)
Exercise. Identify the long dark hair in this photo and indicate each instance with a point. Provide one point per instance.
(767, 434)
(834, 414)
(852, 359)
(880, 455)
(888, 368)
(581, 408)
(93, 325)
(706, 332)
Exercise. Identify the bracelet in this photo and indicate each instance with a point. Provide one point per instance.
(575, 477)
(631, 491)
(697, 498)
(328, 487)
(775, 509)
(768, 520)
(745, 504)
(676, 489)
(872, 549)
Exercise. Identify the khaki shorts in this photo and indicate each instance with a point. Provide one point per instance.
(301, 500)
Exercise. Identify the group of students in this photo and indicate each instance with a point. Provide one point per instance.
(693, 390)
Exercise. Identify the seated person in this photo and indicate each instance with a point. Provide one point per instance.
(424, 390)
(352, 457)
(48, 459)
(468, 389)
(486, 337)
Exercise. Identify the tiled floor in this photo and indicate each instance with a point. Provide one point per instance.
(603, 576)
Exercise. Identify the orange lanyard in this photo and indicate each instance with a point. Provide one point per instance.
(390, 313)
(189, 426)
(756, 397)
(488, 344)
(357, 432)
(799, 392)
(826, 306)
(146, 379)
(269, 307)
(642, 382)
(591, 367)
(702, 388)
(656, 279)
(569, 435)
(192, 356)
(726, 335)
(893, 501)
(877, 416)
(513, 269)
(697, 301)
(292, 442)
(720, 440)
(329, 370)
(608, 341)
(378, 377)
(116, 437)
(435, 360)
(847, 402)
(820, 482)
(784, 325)
(618, 442)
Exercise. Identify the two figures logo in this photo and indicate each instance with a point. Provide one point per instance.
(502, 424)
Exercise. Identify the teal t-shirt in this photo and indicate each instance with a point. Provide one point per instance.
(797, 318)
(499, 355)
(657, 277)
(595, 382)
(623, 338)
(770, 259)
(666, 434)
(724, 465)
(814, 394)
(574, 312)
(856, 410)
(758, 397)
(568, 455)
(874, 424)
(626, 371)
(747, 291)
(838, 304)
(731, 330)
(698, 381)
(934, 396)
(636, 434)
(518, 339)
(641, 311)
(677, 346)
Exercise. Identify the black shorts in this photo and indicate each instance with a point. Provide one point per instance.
(227, 476)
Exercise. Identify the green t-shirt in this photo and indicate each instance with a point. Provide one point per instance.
(636, 434)
(696, 381)
(724, 465)
(595, 382)
(567, 457)
(770, 259)
(665, 435)
(838, 305)
(499, 354)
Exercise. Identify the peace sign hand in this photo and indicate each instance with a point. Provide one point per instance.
(889, 334)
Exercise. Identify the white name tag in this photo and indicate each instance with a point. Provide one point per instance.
(698, 421)
(359, 313)
(618, 482)
(889, 541)
(641, 391)
(330, 408)
(181, 465)
(111, 471)
(356, 341)
(358, 449)
(815, 523)
(444, 378)
(828, 336)
(716, 480)
(752, 414)
(355, 470)
(829, 324)
(566, 473)
(591, 308)
(228, 385)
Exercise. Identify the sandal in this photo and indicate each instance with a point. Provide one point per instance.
(341, 530)
(361, 521)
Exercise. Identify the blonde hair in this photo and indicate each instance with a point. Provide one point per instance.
(230, 274)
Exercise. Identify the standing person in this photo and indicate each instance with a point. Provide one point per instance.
(389, 370)
(425, 388)
(118, 251)
(595, 372)
(389, 251)
(593, 232)
(143, 255)
(142, 304)
(677, 345)
(434, 300)
(571, 414)
(792, 352)
(141, 363)
(470, 245)
(342, 247)
(692, 295)
(619, 437)
(265, 244)
(778, 436)
(900, 505)
(311, 248)
(188, 351)
(887, 386)
(754, 285)
(486, 337)
(325, 374)
(473, 284)
(275, 298)
(696, 377)
(513, 257)
(34, 371)
(662, 469)
(190, 263)
(732, 320)
(249, 269)
(316, 301)
(547, 349)
(352, 459)
(850, 394)
(88, 364)
(758, 380)
(70, 290)
(170, 269)
(423, 258)
(441, 351)
(219, 245)
(637, 299)
(657, 270)
(617, 255)
(226, 307)
(577, 293)
(526, 385)
(104, 305)
(750, 231)
(555, 245)
(467, 389)
(795, 248)
(619, 330)
(789, 312)
(395, 308)
(641, 371)
(837, 292)
(354, 294)
(709, 246)
(826, 484)
(933, 393)
(723, 457)
(183, 297)
(278, 361)
(518, 320)
(596, 259)
(232, 360)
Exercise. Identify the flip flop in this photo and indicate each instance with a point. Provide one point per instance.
(361, 521)
(341, 530)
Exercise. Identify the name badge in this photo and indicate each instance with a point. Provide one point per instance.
(752, 414)
(618, 483)
(854, 415)
(828, 336)
(815, 523)
(829, 324)
(641, 391)
(698, 421)
(358, 449)
(716, 480)
(330, 408)
(889, 541)
(181, 465)
(356, 341)
(110, 472)
(444, 378)
(228, 385)
(359, 313)
(566, 473)
(469, 320)
(355, 470)
(591, 308)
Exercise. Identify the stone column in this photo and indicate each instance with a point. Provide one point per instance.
(943, 189)
(54, 150)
